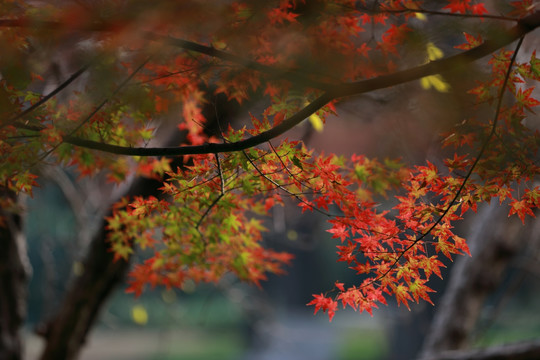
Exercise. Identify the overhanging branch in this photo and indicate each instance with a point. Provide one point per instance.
(210, 148)
(332, 92)
(276, 72)
(523, 27)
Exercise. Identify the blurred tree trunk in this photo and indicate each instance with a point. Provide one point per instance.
(66, 332)
(494, 241)
(14, 273)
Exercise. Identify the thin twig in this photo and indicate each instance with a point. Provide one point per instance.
(281, 187)
(98, 108)
(216, 200)
(47, 97)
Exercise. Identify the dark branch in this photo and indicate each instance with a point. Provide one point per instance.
(276, 73)
(524, 26)
(46, 98)
(211, 148)
(406, 10)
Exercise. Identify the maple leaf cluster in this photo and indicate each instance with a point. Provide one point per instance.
(144, 64)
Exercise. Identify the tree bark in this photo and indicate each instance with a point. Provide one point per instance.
(14, 273)
(494, 241)
(66, 332)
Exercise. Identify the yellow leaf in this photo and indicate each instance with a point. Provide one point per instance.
(78, 268)
(292, 235)
(439, 84)
(433, 51)
(420, 16)
(435, 81)
(139, 315)
(424, 82)
(219, 44)
(316, 122)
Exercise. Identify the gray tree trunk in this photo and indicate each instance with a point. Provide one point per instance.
(66, 332)
(14, 273)
(494, 240)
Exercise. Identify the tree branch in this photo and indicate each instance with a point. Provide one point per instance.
(216, 200)
(523, 27)
(406, 10)
(209, 148)
(46, 98)
(287, 74)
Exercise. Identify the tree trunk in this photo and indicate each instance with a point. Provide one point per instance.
(66, 332)
(14, 273)
(494, 241)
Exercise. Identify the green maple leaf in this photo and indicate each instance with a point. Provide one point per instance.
(232, 222)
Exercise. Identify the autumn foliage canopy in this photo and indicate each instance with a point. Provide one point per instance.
(139, 66)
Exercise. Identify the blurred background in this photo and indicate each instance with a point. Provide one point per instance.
(236, 321)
